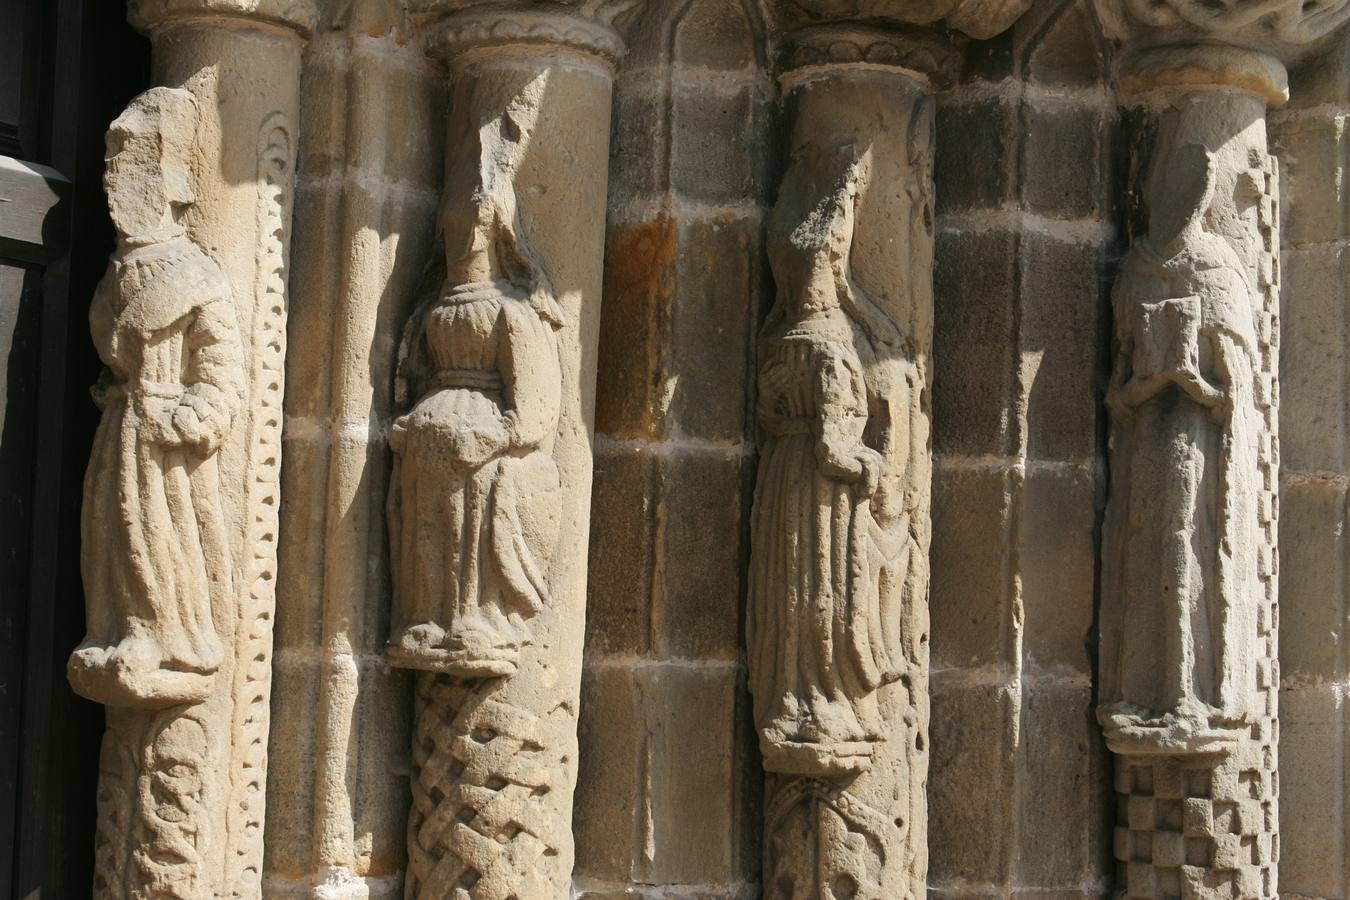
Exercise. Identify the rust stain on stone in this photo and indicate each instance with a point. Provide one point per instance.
(634, 323)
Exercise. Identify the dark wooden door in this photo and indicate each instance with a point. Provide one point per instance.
(66, 69)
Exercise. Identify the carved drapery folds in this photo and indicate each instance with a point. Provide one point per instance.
(163, 321)
(837, 617)
(488, 504)
(1188, 665)
(179, 516)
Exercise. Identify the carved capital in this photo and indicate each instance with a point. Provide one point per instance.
(454, 27)
(1167, 70)
(926, 56)
(976, 18)
(298, 15)
(1282, 28)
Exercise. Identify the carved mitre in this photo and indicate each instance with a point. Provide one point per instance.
(1284, 29)
(455, 26)
(976, 18)
(298, 15)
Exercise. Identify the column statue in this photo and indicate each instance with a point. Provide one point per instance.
(1180, 582)
(821, 636)
(474, 497)
(155, 560)
(180, 515)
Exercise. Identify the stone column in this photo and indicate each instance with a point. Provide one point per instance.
(1189, 667)
(837, 613)
(180, 526)
(489, 500)
(367, 190)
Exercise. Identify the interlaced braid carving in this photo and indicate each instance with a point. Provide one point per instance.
(489, 821)
(116, 811)
(152, 832)
(169, 856)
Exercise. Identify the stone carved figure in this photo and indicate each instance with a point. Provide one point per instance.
(821, 640)
(474, 503)
(475, 511)
(837, 621)
(1181, 588)
(156, 563)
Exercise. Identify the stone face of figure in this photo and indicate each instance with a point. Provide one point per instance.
(155, 561)
(1180, 577)
(474, 504)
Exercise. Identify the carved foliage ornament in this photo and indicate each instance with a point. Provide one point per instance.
(920, 53)
(454, 26)
(299, 15)
(1266, 25)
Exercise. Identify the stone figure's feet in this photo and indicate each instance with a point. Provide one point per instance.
(1187, 730)
(824, 758)
(133, 674)
(819, 760)
(467, 652)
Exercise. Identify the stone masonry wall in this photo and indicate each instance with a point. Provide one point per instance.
(666, 740)
(1026, 235)
(1310, 140)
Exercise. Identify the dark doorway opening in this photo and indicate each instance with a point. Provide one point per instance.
(67, 67)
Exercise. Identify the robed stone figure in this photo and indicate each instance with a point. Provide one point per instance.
(155, 559)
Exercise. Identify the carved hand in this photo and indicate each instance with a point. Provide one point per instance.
(871, 464)
(193, 429)
(157, 427)
(1204, 393)
(840, 467)
(1199, 389)
(468, 444)
(472, 447)
(1135, 392)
